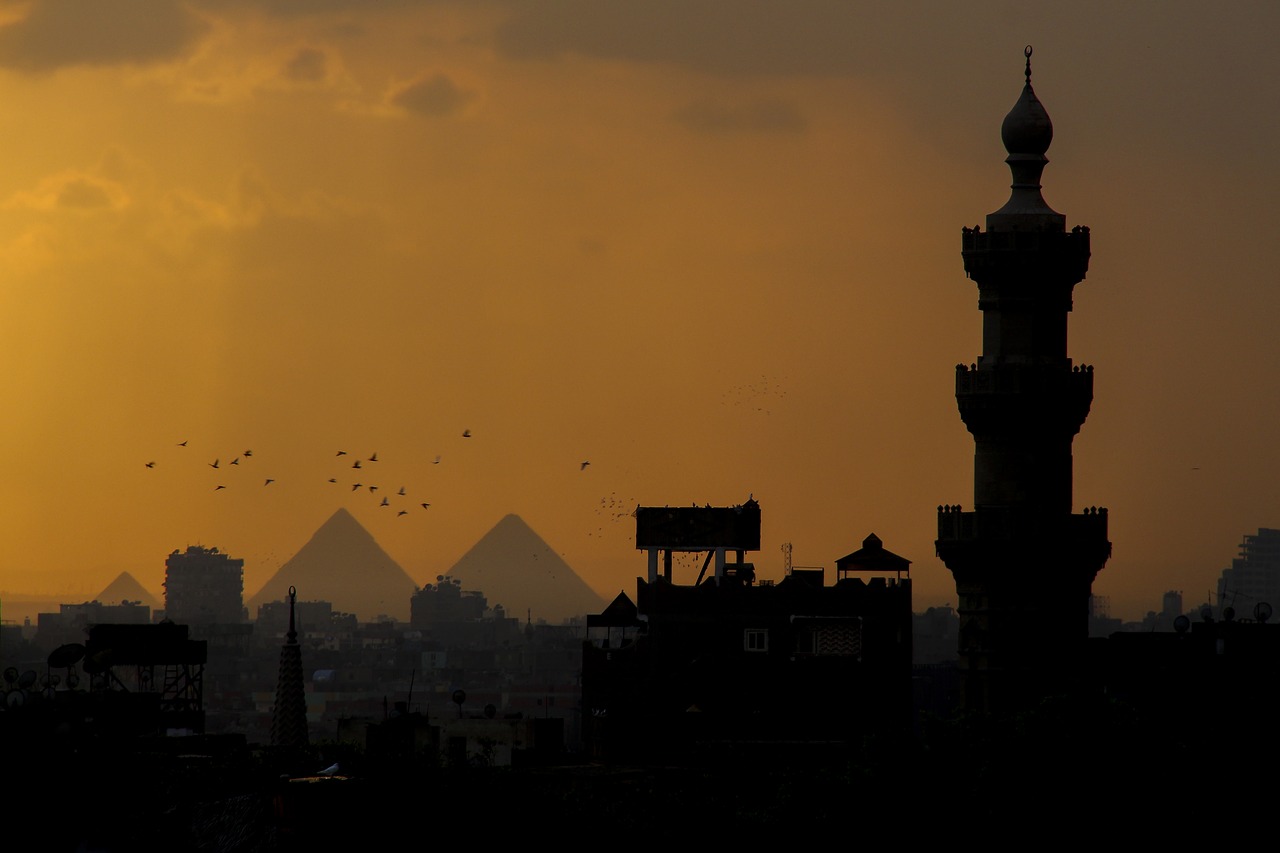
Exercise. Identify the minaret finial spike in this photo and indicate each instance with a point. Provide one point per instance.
(293, 631)
(1026, 51)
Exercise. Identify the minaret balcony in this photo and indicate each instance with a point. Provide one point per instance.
(1024, 397)
(1039, 257)
(997, 534)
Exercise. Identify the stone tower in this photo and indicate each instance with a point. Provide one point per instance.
(1023, 562)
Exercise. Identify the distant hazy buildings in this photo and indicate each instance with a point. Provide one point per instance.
(1253, 578)
(203, 586)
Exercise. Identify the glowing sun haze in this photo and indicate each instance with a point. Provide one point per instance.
(713, 248)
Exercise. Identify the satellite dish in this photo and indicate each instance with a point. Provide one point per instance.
(1262, 611)
(1228, 613)
(27, 680)
(459, 696)
(10, 674)
(1206, 613)
(65, 656)
(73, 680)
(15, 698)
(1181, 624)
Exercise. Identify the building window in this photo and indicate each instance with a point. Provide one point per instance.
(829, 637)
(755, 640)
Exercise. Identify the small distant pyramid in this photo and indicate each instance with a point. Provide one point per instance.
(342, 564)
(126, 588)
(513, 567)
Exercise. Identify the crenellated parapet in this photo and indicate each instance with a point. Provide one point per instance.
(1034, 258)
(1024, 398)
(990, 536)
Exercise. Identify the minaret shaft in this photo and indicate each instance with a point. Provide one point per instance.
(1023, 563)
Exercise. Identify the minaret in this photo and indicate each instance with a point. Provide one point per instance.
(289, 717)
(1023, 562)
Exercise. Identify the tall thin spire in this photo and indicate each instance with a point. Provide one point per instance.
(289, 717)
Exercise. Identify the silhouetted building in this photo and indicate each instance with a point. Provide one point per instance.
(727, 662)
(203, 586)
(1254, 577)
(1023, 562)
(1208, 684)
(935, 635)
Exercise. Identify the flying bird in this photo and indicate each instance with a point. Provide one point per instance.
(182, 444)
(150, 464)
(333, 479)
(424, 506)
(219, 487)
(235, 461)
(213, 464)
(356, 486)
(402, 512)
(583, 466)
(248, 453)
(437, 462)
(385, 502)
(401, 492)
(357, 464)
(466, 433)
(342, 453)
(268, 482)
(373, 458)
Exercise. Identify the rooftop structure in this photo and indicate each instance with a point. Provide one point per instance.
(723, 661)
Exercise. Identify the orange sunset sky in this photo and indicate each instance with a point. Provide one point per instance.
(711, 247)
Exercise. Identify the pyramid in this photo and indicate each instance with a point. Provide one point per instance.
(513, 567)
(126, 588)
(342, 564)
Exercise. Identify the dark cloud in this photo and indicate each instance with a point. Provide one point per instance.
(435, 96)
(60, 33)
(763, 116)
(308, 65)
(721, 36)
(83, 195)
(298, 8)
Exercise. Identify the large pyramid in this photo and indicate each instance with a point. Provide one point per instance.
(513, 567)
(342, 564)
(126, 588)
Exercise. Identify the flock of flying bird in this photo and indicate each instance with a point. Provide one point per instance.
(358, 464)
